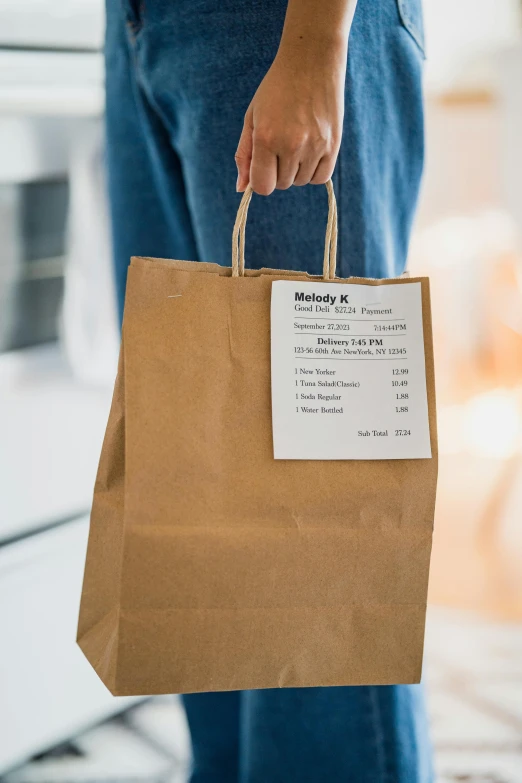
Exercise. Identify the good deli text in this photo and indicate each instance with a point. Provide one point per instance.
(322, 303)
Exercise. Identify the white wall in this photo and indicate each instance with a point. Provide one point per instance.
(459, 30)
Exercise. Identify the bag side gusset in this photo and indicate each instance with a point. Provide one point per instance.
(98, 626)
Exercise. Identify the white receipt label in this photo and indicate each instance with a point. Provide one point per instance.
(348, 371)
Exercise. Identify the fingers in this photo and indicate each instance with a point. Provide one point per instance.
(243, 154)
(324, 170)
(287, 168)
(317, 168)
(263, 169)
(306, 171)
(268, 162)
(276, 161)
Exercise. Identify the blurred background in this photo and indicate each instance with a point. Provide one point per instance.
(58, 346)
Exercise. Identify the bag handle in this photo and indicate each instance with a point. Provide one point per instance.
(330, 244)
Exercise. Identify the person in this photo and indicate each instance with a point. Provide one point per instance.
(192, 86)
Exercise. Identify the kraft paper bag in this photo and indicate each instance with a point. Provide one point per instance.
(211, 566)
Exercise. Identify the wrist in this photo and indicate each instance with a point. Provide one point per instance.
(315, 51)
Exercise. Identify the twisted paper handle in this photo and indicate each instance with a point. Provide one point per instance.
(330, 244)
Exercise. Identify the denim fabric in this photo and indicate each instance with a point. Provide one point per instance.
(411, 16)
(310, 735)
(180, 75)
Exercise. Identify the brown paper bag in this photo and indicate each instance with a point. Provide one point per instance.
(211, 566)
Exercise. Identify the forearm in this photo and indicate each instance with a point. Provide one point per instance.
(317, 29)
(293, 126)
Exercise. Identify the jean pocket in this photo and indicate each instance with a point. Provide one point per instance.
(134, 12)
(410, 12)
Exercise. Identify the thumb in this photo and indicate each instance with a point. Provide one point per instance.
(243, 154)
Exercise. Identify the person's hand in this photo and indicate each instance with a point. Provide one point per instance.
(293, 126)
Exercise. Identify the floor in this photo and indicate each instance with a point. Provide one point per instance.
(474, 678)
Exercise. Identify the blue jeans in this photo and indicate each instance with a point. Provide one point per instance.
(180, 76)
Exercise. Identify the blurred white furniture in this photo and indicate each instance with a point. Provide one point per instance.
(51, 432)
(51, 423)
(49, 692)
(67, 24)
(53, 84)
